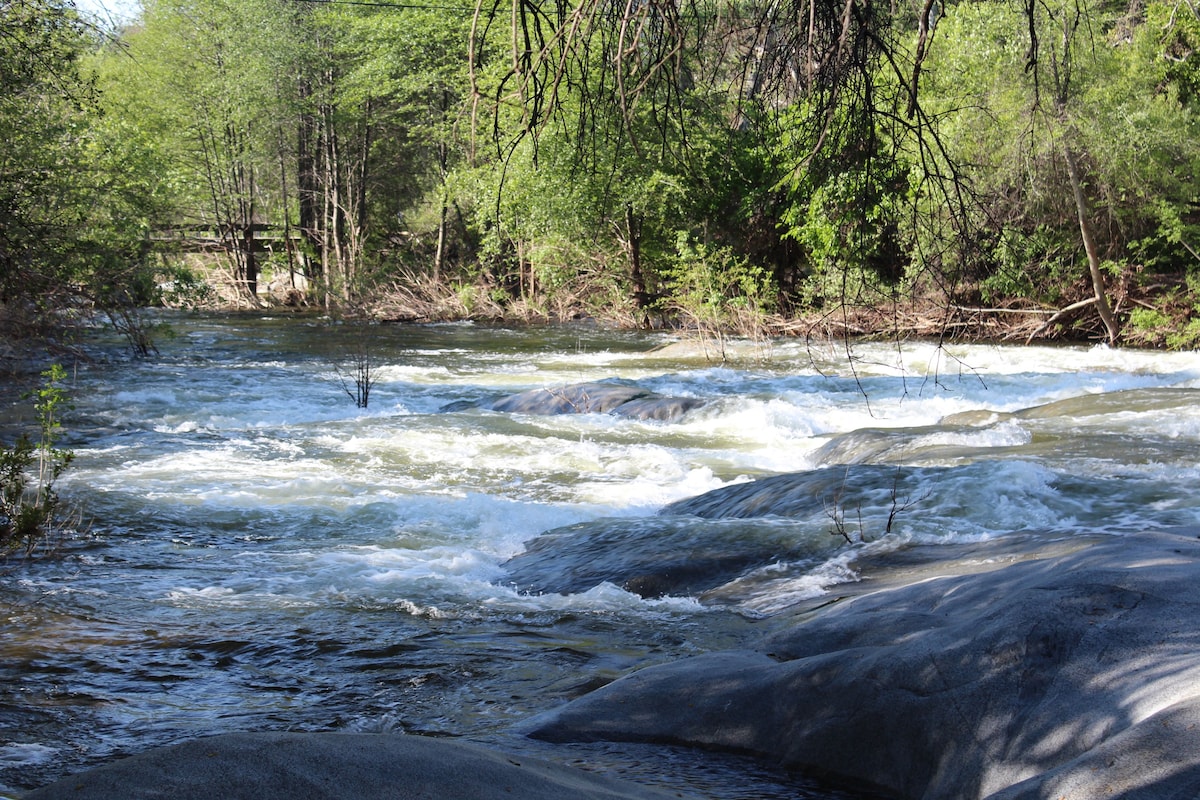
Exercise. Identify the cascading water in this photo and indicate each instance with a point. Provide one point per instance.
(263, 555)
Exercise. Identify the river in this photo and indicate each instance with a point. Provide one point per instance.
(261, 554)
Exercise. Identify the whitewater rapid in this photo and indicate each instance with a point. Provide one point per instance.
(261, 554)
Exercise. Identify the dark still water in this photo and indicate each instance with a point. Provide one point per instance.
(263, 555)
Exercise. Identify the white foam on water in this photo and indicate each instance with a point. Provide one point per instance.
(774, 588)
(272, 436)
(602, 597)
(1004, 434)
(439, 582)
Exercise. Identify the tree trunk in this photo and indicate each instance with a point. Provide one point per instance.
(439, 255)
(1089, 246)
(633, 232)
(307, 186)
(251, 263)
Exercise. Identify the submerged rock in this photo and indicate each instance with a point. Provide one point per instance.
(655, 557)
(798, 494)
(584, 398)
(664, 409)
(1049, 674)
(332, 766)
(591, 398)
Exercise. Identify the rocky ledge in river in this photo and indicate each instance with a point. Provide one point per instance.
(1032, 666)
(336, 766)
(1045, 668)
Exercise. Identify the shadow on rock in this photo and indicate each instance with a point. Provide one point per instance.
(296, 766)
(1072, 675)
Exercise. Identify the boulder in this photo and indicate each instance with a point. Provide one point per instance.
(325, 766)
(583, 398)
(663, 409)
(1066, 670)
(590, 398)
(656, 556)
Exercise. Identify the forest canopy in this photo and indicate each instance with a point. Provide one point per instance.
(986, 168)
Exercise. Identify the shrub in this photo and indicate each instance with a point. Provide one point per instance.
(29, 503)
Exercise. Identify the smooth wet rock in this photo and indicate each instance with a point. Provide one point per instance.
(1065, 675)
(663, 409)
(584, 398)
(798, 494)
(336, 766)
(654, 556)
(590, 398)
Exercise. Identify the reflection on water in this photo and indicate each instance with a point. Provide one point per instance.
(265, 556)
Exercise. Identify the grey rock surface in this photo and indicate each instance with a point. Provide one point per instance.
(1065, 671)
(592, 398)
(653, 556)
(325, 766)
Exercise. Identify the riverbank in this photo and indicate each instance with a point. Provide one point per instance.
(1152, 316)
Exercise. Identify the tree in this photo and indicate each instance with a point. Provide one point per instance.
(381, 110)
(836, 56)
(211, 95)
(1090, 140)
(72, 213)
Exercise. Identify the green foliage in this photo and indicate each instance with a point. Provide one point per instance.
(1173, 323)
(29, 504)
(45, 177)
(411, 147)
(1178, 24)
(74, 205)
(714, 290)
(1136, 144)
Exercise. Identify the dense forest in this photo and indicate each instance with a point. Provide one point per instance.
(987, 168)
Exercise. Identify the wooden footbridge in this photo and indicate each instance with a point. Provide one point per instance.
(255, 238)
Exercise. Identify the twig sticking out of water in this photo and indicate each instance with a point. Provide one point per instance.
(359, 369)
(836, 510)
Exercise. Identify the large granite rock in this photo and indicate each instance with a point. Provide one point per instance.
(336, 766)
(1060, 669)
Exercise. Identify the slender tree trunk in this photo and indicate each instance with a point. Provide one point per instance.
(633, 232)
(307, 186)
(439, 254)
(248, 221)
(287, 213)
(1089, 245)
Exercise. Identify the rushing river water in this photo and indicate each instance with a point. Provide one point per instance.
(263, 555)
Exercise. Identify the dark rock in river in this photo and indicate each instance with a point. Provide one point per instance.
(665, 409)
(801, 493)
(591, 398)
(336, 766)
(1069, 669)
(676, 554)
(655, 557)
(584, 398)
